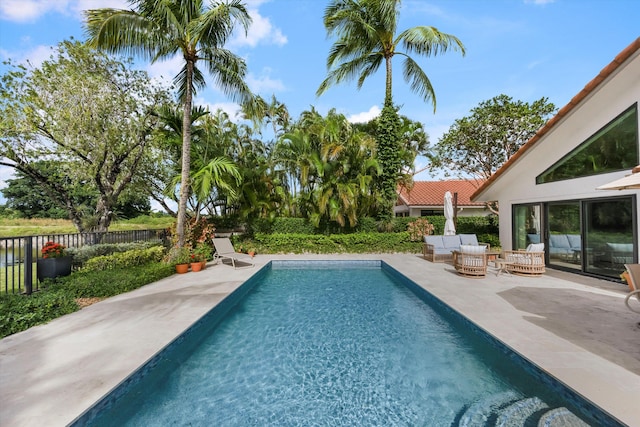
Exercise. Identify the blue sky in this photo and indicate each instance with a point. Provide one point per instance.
(526, 49)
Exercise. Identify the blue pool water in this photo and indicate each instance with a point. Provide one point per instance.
(335, 346)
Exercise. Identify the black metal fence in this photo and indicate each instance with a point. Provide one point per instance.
(18, 255)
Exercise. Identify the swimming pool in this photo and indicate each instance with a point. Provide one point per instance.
(336, 344)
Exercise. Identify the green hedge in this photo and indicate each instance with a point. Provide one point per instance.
(126, 259)
(335, 243)
(85, 253)
(479, 225)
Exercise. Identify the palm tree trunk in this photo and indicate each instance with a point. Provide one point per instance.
(387, 90)
(186, 156)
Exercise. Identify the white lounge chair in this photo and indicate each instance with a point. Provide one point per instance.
(224, 250)
(634, 283)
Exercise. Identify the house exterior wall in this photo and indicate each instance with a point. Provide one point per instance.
(517, 185)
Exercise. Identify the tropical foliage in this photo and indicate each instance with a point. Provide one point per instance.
(366, 39)
(157, 30)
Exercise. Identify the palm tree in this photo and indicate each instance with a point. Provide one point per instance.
(366, 31)
(160, 29)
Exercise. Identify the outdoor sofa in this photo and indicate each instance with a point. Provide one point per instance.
(438, 248)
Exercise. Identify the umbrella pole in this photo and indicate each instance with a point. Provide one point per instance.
(455, 210)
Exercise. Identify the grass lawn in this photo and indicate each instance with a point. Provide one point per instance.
(33, 227)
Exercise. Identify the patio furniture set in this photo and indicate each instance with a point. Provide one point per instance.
(471, 258)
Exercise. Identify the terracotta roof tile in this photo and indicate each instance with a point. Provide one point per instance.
(576, 100)
(431, 193)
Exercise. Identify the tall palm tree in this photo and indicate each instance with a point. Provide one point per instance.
(366, 31)
(160, 29)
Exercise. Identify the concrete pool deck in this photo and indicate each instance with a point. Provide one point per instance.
(573, 327)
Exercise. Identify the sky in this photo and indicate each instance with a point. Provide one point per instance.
(526, 49)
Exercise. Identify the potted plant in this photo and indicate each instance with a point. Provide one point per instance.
(251, 251)
(180, 257)
(54, 262)
(203, 251)
(195, 262)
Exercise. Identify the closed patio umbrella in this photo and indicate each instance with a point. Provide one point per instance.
(628, 182)
(449, 226)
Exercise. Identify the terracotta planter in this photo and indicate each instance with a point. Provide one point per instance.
(196, 266)
(182, 268)
(50, 268)
(204, 264)
(252, 254)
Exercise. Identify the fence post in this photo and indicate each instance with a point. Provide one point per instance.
(28, 265)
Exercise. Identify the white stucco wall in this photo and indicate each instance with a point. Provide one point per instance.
(517, 184)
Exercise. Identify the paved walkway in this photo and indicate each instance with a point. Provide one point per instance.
(575, 328)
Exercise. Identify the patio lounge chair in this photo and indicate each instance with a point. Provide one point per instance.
(634, 283)
(528, 262)
(224, 250)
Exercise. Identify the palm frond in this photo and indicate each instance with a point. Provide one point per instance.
(418, 81)
(429, 41)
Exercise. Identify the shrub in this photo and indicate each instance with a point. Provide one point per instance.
(20, 312)
(419, 228)
(106, 283)
(83, 254)
(336, 243)
(125, 259)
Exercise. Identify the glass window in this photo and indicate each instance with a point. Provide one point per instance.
(565, 239)
(526, 225)
(612, 148)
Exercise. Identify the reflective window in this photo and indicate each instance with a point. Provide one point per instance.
(612, 148)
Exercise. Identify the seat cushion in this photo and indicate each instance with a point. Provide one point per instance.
(574, 241)
(436, 241)
(533, 238)
(473, 249)
(451, 242)
(468, 239)
(535, 247)
(559, 241)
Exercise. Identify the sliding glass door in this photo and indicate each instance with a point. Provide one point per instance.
(593, 236)
(564, 235)
(609, 236)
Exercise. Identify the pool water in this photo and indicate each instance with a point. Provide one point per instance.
(337, 347)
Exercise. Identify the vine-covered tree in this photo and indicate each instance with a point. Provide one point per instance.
(89, 114)
(477, 145)
(161, 29)
(367, 39)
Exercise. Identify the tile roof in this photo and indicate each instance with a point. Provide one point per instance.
(431, 193)
(575, 101)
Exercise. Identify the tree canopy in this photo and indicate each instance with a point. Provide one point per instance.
(477, 145)
(88, 113)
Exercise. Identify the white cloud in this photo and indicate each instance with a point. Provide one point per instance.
(264, 83)
(165, 71)
(365, 116)
(30, 10)
(260, 31)
(35, 56)
(231, 108)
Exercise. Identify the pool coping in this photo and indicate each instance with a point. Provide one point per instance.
(55, 372)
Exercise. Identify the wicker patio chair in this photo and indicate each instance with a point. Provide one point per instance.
(471, 261)
(528, 262)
